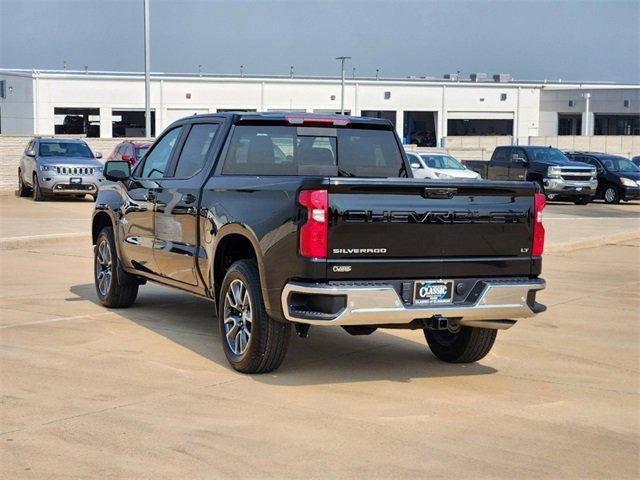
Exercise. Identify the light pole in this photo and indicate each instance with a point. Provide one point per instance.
(342, 59)
(147, 73)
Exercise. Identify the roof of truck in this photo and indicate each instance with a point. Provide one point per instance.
(297, 118)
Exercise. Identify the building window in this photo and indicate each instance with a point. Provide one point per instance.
(473, 127)
(572, 103)
(570, 124)
(387, 95)
(386, 114)
(626, 104)
(77, 121)
(503, 97)
(616, 125)
(130, 123)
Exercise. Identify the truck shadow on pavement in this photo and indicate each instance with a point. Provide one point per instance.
(329, 355)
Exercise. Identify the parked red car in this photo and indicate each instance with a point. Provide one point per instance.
(129, 151)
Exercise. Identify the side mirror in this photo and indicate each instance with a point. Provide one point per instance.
(126, 158)
(98, 155)
(117, 170)
(30, 153)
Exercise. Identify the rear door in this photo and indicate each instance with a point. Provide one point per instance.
(412, 228)
(176, 246)
(517, 165)
(499, 165)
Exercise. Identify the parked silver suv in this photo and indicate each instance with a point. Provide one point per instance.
(56, 166)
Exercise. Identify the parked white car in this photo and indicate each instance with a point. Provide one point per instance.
(439, 166)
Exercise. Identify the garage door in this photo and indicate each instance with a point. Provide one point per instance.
(174, 114)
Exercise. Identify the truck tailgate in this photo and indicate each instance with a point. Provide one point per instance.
(426, 228)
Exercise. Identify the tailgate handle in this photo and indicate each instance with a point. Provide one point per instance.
(435, 192)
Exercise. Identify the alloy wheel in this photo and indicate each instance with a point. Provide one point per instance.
(610, 194)
(104, 267)
(237, 317)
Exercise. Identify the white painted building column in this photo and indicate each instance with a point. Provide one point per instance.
(400, 123)
(106, 122)
(442, 119)
(587, 116)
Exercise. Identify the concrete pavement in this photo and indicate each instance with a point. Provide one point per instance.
(146, 392)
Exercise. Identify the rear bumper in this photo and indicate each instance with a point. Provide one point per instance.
(491, 304)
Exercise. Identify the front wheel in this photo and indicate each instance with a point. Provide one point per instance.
(252, 342)
(115, 287)
(23, 190)
(38, 196)
(468, 345)
(611, 195)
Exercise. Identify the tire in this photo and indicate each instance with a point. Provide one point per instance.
(23, 190)
(611, 195)
(582, 200)
(468, 345)
(38, 196)
(115, 287)
(260, 343)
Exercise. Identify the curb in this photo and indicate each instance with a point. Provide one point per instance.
(566, 247)
(13, 243)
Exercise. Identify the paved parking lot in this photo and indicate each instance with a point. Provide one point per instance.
(146, 392)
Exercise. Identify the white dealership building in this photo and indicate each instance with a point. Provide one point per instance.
(425, 111)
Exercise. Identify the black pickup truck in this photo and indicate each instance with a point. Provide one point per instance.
(556, 175)
(292, 220)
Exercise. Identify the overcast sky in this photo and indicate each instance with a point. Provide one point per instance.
(572, 40)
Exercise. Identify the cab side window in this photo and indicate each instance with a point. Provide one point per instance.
(501, 155)
(157, 160)
(194, 153)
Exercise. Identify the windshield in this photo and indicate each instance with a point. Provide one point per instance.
(547, 154)
(65, 149)
(140, 151)
(284, 150)
(442, 162)
(618, 164)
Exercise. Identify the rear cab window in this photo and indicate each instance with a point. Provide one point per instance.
(292, 150)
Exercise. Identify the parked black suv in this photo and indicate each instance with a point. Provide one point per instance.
(618, 177)
(296, 220)
(555, 174)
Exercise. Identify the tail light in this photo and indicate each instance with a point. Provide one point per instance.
(313, 234)
(539, 203)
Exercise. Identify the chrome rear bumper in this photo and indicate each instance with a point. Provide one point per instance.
(498, 306)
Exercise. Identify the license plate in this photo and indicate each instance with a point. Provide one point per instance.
(75, 181)
(433, 291)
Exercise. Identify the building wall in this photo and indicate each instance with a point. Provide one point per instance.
(17, 109)
(608, 101)
(173, 97)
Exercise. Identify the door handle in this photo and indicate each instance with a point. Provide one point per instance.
(188, 198)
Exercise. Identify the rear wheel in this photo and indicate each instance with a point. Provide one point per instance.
(115, 287)
(469, 344)
(23, 190)
(611, 195)
(252, 342)
(38, 196)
